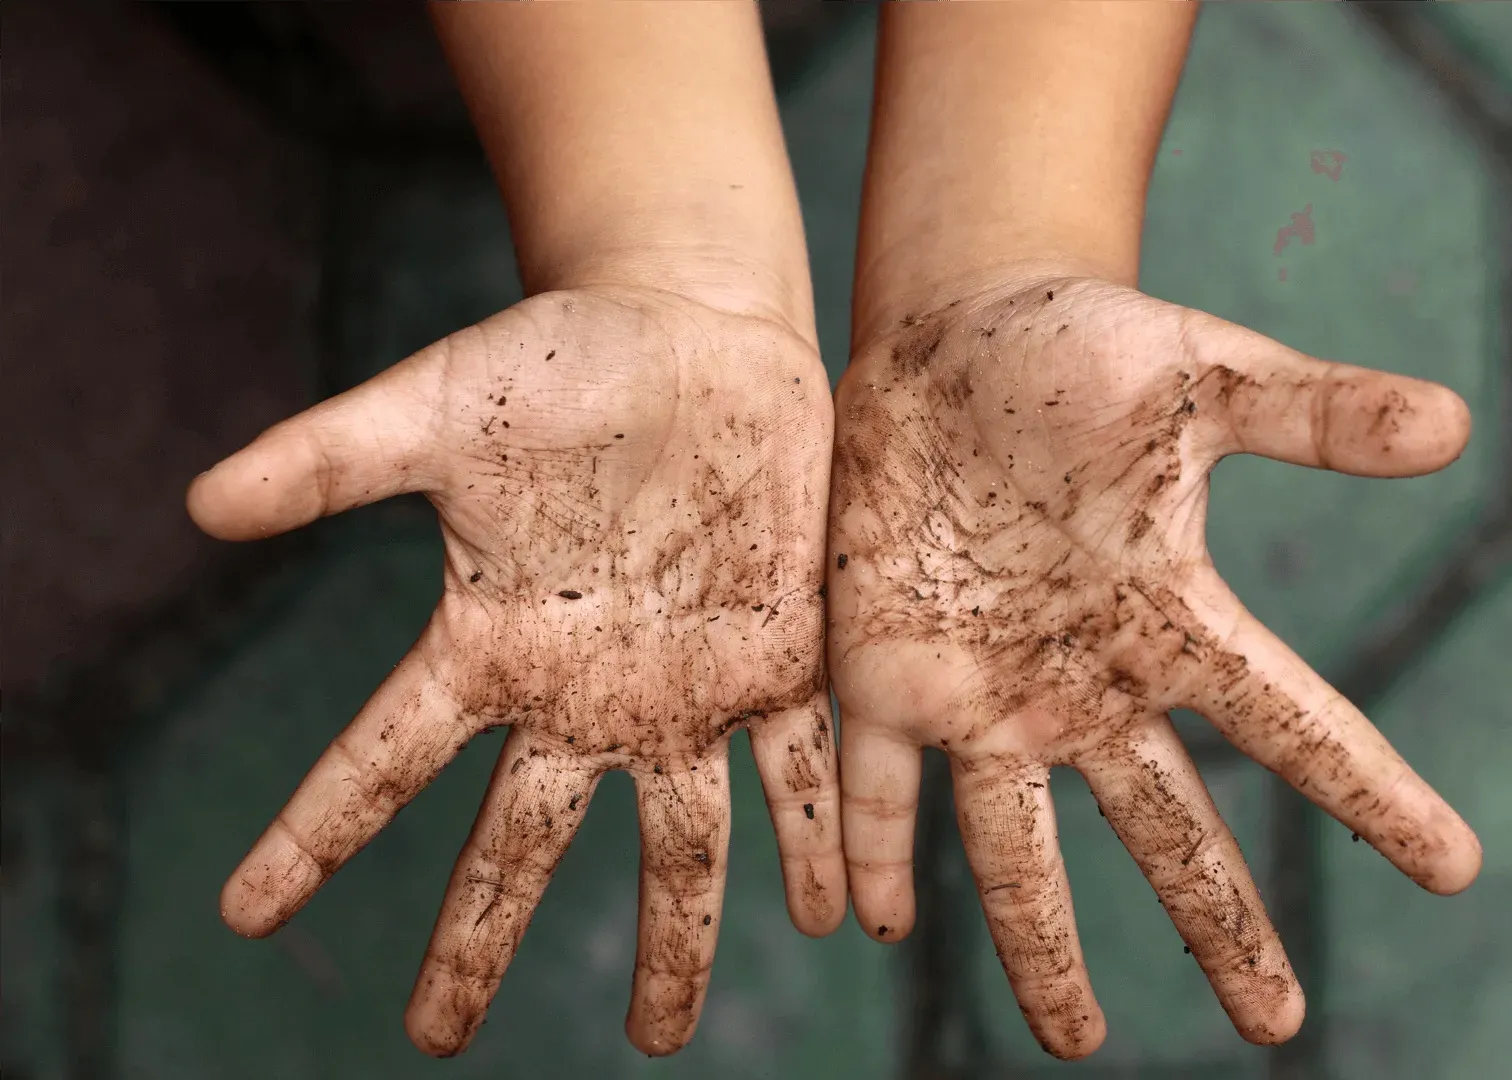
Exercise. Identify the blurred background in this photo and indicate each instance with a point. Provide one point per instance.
(216, 214)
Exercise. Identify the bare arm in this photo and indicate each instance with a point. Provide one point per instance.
(1006, 132)
(637, 143)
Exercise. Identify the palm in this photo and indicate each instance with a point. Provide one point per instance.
(1020, 487)
(631, 491)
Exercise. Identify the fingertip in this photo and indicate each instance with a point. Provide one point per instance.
(652, 1044)
(1274, 1021)
(886, 922)
(438, 1032)
(272, 883)
(816, 897)
(1392, 426)
(238, 499)
(240, 911)
(204, 503)
(1095, 1029)
(1427, 841)
(1446, 424)
(1075, 1035)
(1458, 868)
(659, 1026)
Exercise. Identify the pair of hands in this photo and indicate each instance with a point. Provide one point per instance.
(632, 488)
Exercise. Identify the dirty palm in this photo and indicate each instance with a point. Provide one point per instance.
(1020, 579)
(632, 490)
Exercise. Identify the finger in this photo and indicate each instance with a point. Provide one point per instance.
(1277, 710)
(1283, 404)
(359, 447)
(879, 782)
(405, 734)
(685, 834)
(795, 757)
(1152, 795)
(534, 804)
(1007, 824)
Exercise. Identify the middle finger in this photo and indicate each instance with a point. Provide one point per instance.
(685, 835)
(1007, 824)
(1151, 793)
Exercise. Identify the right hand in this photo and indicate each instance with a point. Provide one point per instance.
(632, 489)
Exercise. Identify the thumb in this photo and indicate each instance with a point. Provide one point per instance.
(360, 447)
(1283, 404)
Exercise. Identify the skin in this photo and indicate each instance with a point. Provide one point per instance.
(1018, 574)
(630, 471)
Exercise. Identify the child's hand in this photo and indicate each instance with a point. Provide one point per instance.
(631, 487)
(1018, 576)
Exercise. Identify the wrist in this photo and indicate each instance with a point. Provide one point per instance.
(887, 297)
(1052, 116)
(707, 265)
(636, 144)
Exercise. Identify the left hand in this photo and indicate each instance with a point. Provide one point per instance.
(1018, 576)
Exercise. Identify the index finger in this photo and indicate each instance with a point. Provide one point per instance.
(1152, 794)
(1271, 705)
(535, 802)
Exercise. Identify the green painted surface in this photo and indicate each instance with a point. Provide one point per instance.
(1419, 985)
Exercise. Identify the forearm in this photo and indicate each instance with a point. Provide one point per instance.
(1005, 133)
(636, 143)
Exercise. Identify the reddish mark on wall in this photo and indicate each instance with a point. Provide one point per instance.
(1176, 152)
(1301, 227)
(1401, 283)
(1329, 163)
(1281, 274)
